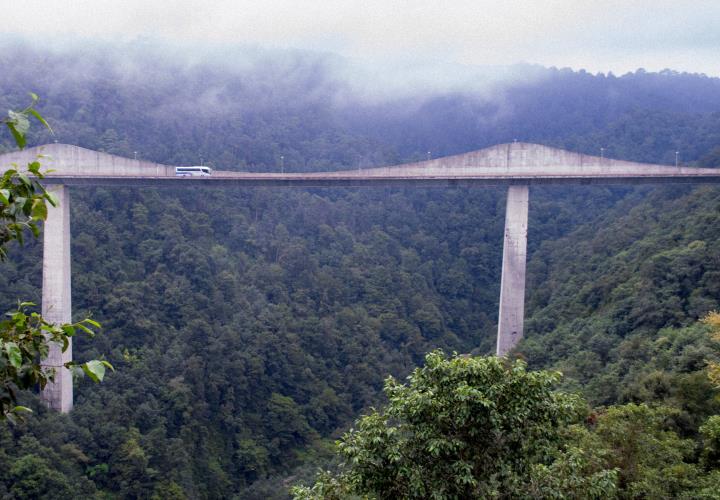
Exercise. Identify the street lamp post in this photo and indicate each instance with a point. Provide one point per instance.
(677, 158)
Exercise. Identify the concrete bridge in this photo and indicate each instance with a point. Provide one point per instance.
(516, 165)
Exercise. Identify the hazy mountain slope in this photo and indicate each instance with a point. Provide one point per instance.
(249, 326)
(599, 298)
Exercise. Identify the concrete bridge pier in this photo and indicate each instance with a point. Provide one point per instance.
(512, 284)
(56, 297)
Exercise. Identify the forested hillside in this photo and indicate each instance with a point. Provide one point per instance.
(249, 328)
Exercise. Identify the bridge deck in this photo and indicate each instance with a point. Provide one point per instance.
(504, 164)
(360, 181)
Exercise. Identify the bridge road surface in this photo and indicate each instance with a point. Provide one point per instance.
(504, 164)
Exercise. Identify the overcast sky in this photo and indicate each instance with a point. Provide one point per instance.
(597, 35)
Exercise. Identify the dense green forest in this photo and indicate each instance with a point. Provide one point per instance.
(249, 328)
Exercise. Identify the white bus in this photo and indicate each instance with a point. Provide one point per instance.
(198, 170)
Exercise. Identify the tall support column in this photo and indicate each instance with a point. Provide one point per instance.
(56, 302)
(512, 284)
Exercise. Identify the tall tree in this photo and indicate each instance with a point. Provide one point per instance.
(463, 427)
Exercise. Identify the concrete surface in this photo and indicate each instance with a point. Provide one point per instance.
(512, 282)
(56, 297)
(504, 164)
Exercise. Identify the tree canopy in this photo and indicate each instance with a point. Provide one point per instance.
(250, 328)
(462, 427)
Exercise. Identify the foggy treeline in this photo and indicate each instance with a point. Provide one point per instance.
(249, 328)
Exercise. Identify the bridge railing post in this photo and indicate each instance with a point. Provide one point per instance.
(512, 284)
(56, 297)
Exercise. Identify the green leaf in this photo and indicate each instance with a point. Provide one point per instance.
(14, 354)
(22, 408)
(39, 118)
(34, 167)
(39, 209)
(5, 196)
(52, 198)
(92, 322)
(95, 370)
(24, 179)
(19, 138)
(20, 122)
(19, 201)
(85, 329)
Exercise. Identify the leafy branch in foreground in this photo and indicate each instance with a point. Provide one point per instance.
(18, 122)
(22, 204)
(23, 199)
(25, 336)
